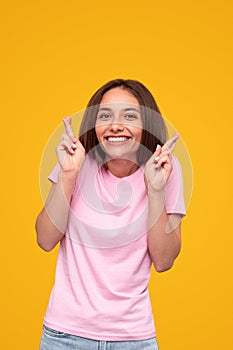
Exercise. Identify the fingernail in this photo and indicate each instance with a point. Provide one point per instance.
(65, 119)
(157, 147)
(156, 159)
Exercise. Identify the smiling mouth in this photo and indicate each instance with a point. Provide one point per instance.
(117, 138)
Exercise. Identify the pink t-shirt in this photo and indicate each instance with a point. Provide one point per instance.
(103, 267)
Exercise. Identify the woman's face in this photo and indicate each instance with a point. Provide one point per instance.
(119, 124)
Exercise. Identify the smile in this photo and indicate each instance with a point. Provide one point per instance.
(117, 138)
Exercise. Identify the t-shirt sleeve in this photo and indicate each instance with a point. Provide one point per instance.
(53, 176)
(174, 190)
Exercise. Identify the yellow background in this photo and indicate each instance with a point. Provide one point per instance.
(54, 55)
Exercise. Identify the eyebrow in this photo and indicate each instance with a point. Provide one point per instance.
(124, 109)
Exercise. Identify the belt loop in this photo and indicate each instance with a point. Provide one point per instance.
(102, 345)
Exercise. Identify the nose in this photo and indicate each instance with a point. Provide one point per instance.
(116, 126)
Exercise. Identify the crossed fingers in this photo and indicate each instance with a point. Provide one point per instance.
(68, 139)
(170, 144)
(162, 156)
(68, 129)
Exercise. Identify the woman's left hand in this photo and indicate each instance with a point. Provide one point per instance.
(158, 168)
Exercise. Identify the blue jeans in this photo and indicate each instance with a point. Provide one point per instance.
(55, 340)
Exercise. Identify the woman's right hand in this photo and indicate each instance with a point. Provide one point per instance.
(70, 151)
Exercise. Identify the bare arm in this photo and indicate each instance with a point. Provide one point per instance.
(52, 221)
(164, 236)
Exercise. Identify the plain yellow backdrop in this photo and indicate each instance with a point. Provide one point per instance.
(54, 55)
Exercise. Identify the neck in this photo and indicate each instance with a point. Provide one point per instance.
(121, 167)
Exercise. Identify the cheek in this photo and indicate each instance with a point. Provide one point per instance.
(99, 132)
(138, 134)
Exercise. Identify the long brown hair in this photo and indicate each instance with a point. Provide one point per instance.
(154, 129)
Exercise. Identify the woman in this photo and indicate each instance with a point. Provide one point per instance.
(115, 206)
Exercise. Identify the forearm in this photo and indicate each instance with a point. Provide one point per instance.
(52, 221)
(164, 233)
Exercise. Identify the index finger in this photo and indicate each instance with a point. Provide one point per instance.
(170, 144)
(68, 128)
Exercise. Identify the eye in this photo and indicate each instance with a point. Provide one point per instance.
(131, 116)
(104, 116)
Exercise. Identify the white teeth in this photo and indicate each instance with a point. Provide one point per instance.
(117, 139)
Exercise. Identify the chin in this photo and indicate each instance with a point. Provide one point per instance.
(121, 152)
(124, 156)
